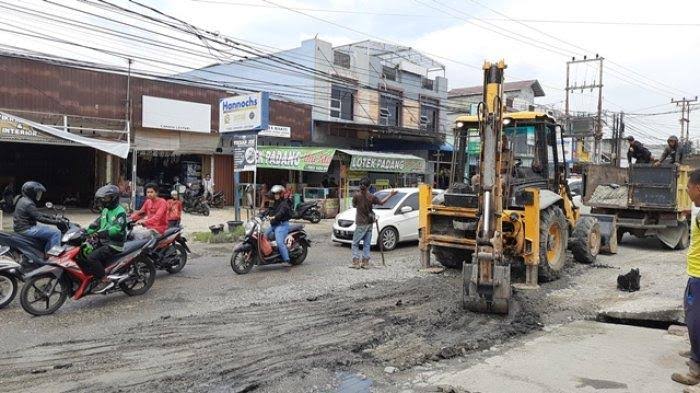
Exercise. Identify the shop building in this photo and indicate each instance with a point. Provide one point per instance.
(173, 127)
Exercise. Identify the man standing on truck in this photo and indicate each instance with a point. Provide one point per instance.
(641, 154)
(691, 299)
(673, 151)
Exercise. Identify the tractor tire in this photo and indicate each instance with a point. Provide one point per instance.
(554, 235)
(585, 240)
(452, 258)
(685, 237)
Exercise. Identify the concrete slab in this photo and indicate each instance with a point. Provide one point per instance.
(583, 356)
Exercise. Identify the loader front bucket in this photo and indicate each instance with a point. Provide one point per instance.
(493, 297)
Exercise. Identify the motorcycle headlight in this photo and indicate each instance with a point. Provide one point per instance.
(249, 227)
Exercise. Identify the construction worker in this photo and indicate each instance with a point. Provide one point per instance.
(691, 299)
(673, 151)
(641, 154)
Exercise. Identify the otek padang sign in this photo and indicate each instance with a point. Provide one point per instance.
(244, 113)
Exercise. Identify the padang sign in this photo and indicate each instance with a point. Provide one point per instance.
(387, 164)
(309, 159)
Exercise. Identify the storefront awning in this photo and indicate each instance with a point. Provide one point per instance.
(384, 162)
(11, 125)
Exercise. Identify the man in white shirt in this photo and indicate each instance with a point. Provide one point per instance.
(208, 185)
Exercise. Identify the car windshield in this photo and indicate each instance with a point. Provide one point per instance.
(392, 202)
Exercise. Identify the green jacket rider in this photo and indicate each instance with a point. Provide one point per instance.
(111, 230)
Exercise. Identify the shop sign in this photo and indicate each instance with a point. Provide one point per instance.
(11, 128)
(277, 132)
(244, 152)
(244, 113)
(387, 164)
(176, 115)
(309, 159)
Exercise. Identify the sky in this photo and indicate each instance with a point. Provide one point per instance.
(650, 48)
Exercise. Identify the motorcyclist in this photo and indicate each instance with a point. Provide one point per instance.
(111, 231)
(279, 213)
(26, 217)
(155, 209)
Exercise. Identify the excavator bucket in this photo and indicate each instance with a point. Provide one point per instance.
(493, 297)
(608, 232)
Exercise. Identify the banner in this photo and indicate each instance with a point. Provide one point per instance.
(311, 159)
(378, 163)
(244, 113)
(244, 152)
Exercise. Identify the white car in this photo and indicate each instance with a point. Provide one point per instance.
(576, 187)
(398, 219)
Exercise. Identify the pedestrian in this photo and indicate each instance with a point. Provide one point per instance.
(174, 209)
(363, 201)
(692, 289)
(673, 151)
(288, 192)
(641, 154)
(208, 185)
(8, 195)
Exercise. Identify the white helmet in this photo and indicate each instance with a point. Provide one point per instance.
(276, 189)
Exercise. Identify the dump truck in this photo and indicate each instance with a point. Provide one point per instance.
(643, 200)
(514, 218)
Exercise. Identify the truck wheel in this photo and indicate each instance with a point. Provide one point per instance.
(452, 258)
(553, 240)
(585, 240)
(685, 237)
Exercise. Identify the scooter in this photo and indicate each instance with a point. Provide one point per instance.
(170, 251)
(257, 249)
(307, 211)
(47, 288)
(217, 200)
(10, 274)
(28, 251)
(193, 203)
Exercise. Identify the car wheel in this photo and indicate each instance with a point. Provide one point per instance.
(389, 238)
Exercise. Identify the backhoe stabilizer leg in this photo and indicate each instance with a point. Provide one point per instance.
(493, 297)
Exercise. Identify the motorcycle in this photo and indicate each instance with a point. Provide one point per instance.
(10, 274)
(170, 251)
(47, 288)
(307, 211)
(193, 203)
(257, 249)
(217, 200)
(28, 251)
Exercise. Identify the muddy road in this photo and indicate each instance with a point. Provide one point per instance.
(299, 345)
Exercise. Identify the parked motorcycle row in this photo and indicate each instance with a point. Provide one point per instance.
(49, 281)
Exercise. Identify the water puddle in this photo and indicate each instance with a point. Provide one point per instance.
(352, 383)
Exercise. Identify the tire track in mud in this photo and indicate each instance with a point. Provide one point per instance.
(245, 348)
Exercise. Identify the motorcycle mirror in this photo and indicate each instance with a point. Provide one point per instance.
(49, 205)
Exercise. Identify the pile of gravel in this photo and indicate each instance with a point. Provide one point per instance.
(609, 195)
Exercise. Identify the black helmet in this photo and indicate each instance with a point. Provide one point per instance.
(33, 190)
(364, 183)
(108, 196)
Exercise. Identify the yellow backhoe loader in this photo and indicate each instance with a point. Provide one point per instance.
(513, 215)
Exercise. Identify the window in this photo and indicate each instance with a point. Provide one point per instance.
(427, 84)
(411, 200)
(341, 59)
(389, 110)
(429, 114)
(342, 100)
(389, 73)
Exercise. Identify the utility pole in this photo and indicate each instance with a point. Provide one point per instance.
(684, 103)
(598, 132)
